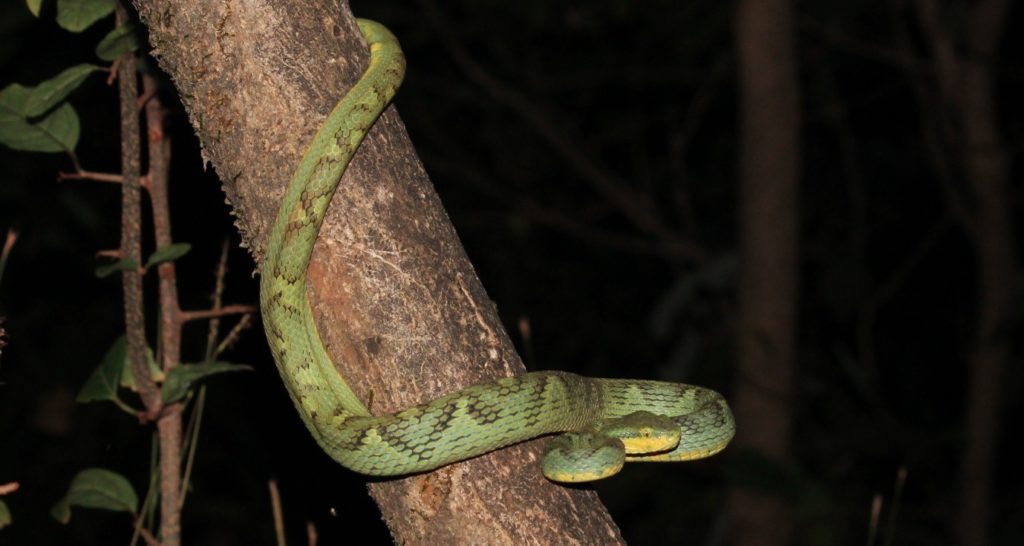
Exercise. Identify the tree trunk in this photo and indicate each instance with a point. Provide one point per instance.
(987, 169)
(768, 233)
(965, 81)
(396, 299)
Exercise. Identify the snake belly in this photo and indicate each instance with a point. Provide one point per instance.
(460, 425)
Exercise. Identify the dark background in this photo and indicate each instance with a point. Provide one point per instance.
(645, 90)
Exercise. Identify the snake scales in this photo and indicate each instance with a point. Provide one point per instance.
(606, 421)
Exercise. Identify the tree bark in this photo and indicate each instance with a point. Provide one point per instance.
(396, 299)
(768, 241)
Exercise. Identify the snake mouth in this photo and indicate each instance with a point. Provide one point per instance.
(691, 454)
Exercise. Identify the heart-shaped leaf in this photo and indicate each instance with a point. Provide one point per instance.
(97, 488)
(180, 378)
(78, 15)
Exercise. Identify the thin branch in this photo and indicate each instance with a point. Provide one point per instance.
(894, 506)
(90, 175)
(217, 299)
(115, 67)
(201, 314)
(12, 237)
(169, 425)
(144, 517)
(112, 253)
(192, 433)
(148, 537)
(213, 348)
(876, 510)
(147, 94)
(159, 160)
(234, 334)
(311, 535)
(947, 64)
(131, 232)
(275, 507)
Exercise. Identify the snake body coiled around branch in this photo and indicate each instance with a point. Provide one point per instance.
(607, 421)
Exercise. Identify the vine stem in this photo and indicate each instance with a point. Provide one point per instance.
(172, 317)
(131, 232)
(169, 423)
(168, 418)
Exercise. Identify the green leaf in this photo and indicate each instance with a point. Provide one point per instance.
(5, 515)
(61, 511)
(168, 253)
(123, 264)
(62, 127)
(13, 99)
(115, 370)
(57, 132)
(34, 6)
(128, 372)
(78, 15)
(103, 381)
(48, 94)
(117, 42)
(96, 488)
(180, 378)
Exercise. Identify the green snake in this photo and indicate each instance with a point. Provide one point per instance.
(602, 422)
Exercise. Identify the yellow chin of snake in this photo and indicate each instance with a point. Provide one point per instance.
(583, 476)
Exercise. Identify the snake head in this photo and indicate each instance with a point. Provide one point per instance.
(643, 432)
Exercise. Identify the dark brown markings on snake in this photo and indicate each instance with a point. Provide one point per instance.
(363, 438)
(277, 334)
(325, 162)
(275, 298)
(306, 200)
(393, 73)
(396, 437)
(363, 108)
(482, 414)
(448, 414)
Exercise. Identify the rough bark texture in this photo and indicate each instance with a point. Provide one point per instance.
(767, 292)
(397, 301)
